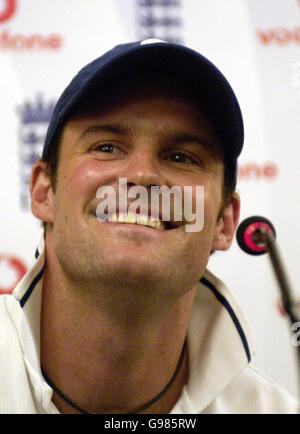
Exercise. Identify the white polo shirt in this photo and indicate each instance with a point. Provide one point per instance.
(220, 378)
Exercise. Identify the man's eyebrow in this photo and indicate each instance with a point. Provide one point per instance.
(176, 137)
(113, 128)
(212, 148)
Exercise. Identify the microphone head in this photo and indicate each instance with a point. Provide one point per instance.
(250, 235)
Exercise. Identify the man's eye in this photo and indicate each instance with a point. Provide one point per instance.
(181, 157)
(106, 147)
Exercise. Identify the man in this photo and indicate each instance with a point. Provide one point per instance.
(120, 315)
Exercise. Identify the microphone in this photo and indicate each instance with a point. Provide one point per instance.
(256, 235)
(253, 233)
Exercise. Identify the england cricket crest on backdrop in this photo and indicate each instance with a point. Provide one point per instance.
(34, 117)
(160, 19)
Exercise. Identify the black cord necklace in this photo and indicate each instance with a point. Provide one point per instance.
(134, 411)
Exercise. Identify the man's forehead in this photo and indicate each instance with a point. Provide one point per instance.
(118, 94)
(135, 111)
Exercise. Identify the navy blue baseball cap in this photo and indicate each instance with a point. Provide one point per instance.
(192, 69)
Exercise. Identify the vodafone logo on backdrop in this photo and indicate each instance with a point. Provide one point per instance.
(7, 9)
(33, 42)
(16, 41)
(12, 269)
(253, 171)
(279, 36)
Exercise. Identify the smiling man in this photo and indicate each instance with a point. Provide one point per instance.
(120, 315)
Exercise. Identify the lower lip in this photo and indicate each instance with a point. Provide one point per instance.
(135, 228)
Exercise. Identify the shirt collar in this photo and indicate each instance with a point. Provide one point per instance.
(219, 345)
(28, 295)
(218, 339)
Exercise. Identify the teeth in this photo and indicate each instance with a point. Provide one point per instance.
(113, 218)
(132, 218)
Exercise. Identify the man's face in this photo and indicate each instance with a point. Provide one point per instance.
(150, 138)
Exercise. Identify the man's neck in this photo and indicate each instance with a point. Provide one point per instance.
(105, 365)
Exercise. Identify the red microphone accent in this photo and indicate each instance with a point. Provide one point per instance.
(250, 235)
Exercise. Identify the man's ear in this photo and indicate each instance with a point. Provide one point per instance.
(227, 224)
(41, 192)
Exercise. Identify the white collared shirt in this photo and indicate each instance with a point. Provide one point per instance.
(220, 378)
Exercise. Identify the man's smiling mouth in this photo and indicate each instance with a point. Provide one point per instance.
(171, 206)
(140, 219)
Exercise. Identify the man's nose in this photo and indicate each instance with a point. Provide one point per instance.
(144, 168)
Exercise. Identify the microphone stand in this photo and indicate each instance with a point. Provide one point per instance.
(262, 237)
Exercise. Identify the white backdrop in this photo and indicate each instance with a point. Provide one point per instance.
(255, 43)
